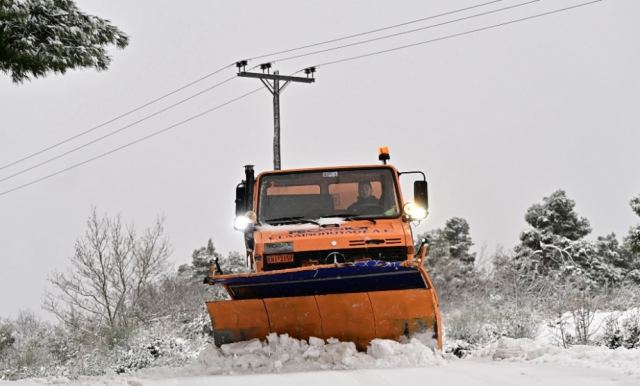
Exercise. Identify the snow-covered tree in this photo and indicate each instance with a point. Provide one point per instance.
(635, 204)
(6, 339)
(617, 259)
(632, 245)
(203, 257)
(554, 245)
(201, 260)
(450, 261)
(633, 238)
(235, 262)
(556, 216)
(42, 36)
(456, 234)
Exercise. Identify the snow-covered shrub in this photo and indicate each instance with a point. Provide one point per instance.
(473, 323)
(487, 317)
(6, 340)
(622, 330)
(135, 358)
(521, 323)
(573, 307)
(631, 330)
(25, 351)
(164, 342)
(583, 314)
(612, 336)
(30, 345)
(516, 301)
(62, 346)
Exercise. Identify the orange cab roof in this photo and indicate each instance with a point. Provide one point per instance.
(342, 167)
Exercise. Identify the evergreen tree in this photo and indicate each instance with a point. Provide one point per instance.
(201, 259)
(456, 234)
(556, 216)
(210, 248)
(632, 241)
(632, 246)
(41, 36)
(235, 263)
(609, 250)
(555, 246)
(450, 261)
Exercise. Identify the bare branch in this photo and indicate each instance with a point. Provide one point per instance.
(110, 269)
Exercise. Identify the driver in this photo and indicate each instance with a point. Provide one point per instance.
(366, 199)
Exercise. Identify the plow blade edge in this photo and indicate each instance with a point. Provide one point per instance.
(322, 309)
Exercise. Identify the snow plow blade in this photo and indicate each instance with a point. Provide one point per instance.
(354, 302)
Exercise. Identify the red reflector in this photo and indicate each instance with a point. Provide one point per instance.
(279, 259)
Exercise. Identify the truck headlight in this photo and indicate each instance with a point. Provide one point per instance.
(242, 222)
(414, 211)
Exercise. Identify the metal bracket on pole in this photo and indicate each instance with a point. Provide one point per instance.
(272, 83)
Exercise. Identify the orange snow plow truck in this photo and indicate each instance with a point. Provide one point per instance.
(332, 256)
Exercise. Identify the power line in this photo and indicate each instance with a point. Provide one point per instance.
(247, 94)
(129, 112)
(403, 32)
(206, 76)
(373, 30)
(184, 100)
(132, 142)
(73, 150)
(454, 35)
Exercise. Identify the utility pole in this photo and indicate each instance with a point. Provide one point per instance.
(272, 83)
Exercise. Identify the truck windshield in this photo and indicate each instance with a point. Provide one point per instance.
(305, 196)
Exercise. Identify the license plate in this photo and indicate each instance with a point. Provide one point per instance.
(279, 259)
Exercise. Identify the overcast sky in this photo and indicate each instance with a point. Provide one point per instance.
(497, 119)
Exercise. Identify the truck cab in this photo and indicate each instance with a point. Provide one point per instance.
(314, 216)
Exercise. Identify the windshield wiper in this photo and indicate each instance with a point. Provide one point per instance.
(291, 219)
(350, 217)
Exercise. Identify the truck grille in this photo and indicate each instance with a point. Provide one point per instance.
(341, 256)
(363, 242)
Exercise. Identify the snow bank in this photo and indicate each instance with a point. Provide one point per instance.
(527, 350)
(549, 332)
(282, 360)
(281, 353)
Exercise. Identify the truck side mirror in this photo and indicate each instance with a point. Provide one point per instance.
(421, 194)
(241, 206)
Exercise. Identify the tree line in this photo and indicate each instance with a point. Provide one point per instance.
(555, 273)
(553, 247)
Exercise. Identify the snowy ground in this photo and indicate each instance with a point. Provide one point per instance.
(455, 373)
(284, 361)
(459, 372)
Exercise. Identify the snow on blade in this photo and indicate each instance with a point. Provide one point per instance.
(281, 353)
